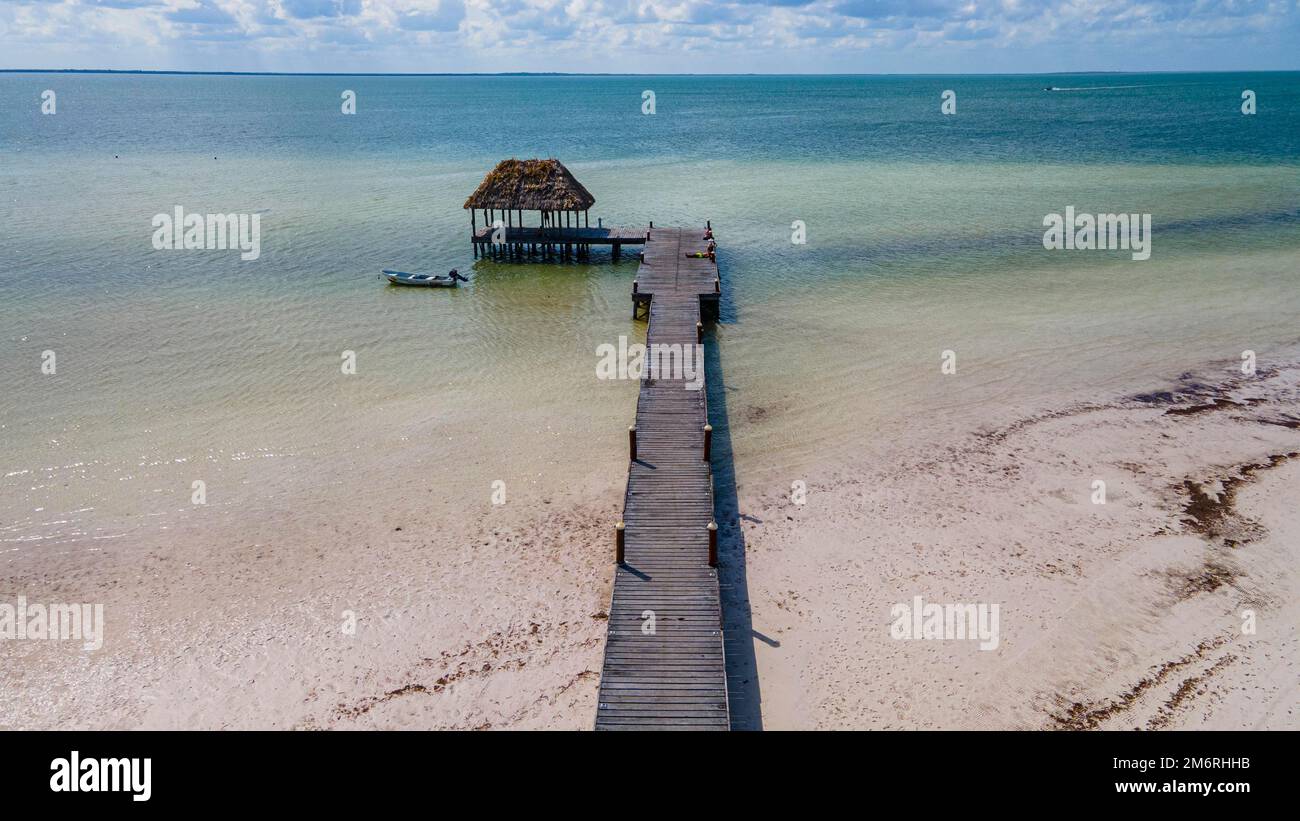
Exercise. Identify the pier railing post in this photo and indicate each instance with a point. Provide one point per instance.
(713, 544)
(618, 543)
(708, 441)
(699, 332)
(631, 441)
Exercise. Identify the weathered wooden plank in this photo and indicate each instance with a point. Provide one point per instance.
(589, 236)
(675, 676)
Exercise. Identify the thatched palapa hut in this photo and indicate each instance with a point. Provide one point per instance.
(516, 186)
(564, 226)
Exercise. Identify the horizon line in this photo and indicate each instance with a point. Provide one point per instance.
(623, 74)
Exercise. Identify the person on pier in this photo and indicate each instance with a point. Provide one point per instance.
(710, 254)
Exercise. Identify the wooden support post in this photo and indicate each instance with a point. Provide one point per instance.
(708, 441)
(699, 332)
(713, 544)
(619, 543)
(635, 284)
(631, 441)
(717, 285)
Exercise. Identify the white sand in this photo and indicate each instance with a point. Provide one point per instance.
(490, 618)
(1112, 616)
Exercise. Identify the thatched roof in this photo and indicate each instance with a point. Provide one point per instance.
(531, 185)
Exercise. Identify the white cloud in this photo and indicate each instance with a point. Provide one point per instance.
(650, 35)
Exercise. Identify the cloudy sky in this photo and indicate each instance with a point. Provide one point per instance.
(766, 36)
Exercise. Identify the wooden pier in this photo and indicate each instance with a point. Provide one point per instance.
(550, 243)
(664, 667)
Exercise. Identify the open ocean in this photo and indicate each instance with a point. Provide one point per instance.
(924, 234)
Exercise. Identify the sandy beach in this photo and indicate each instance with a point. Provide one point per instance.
(411, 372)
(1120, 615)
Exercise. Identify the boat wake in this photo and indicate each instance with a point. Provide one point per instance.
(1093, 88)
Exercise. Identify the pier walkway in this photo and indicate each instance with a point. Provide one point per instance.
(664, 666)
(553, 241)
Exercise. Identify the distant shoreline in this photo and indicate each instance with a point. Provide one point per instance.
(608, 74)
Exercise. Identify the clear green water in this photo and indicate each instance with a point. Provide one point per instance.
(924, 234)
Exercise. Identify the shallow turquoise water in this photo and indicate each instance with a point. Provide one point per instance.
(924, 234)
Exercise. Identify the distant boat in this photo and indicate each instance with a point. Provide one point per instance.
(448, 280)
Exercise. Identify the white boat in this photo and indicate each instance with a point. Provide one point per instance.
(448, 280)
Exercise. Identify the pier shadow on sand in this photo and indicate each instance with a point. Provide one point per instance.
(743, 694)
